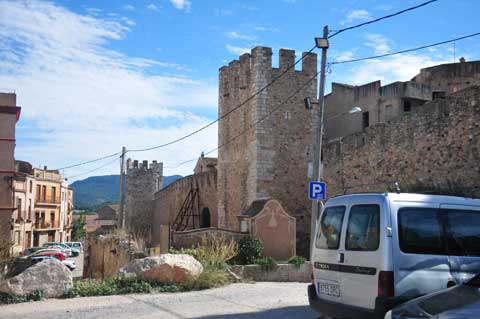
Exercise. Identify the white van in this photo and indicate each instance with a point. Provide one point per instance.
(374, 251)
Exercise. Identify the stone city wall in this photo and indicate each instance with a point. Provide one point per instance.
(435, 148)
(169, 200)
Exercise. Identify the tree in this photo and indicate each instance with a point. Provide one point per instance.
(78, 228)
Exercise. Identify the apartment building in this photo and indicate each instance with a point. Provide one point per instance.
(53, 207)
(9, 115)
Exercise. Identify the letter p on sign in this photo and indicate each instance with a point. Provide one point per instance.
(317, 191)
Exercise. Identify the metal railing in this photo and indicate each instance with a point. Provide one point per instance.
(48, 199)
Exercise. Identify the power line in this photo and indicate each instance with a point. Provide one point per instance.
(229, 112)
(276, 108)
(382, 18)
(95, 169)
(91, 161)
(405, 51)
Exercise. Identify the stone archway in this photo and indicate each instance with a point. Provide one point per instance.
(205, 221)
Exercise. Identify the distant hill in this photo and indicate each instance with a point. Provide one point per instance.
(96, 190)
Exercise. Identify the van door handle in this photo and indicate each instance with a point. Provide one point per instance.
(341, 257)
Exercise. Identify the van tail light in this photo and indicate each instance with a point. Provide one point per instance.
(312, 273)
(386, 284)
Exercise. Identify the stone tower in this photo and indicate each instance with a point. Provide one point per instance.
(272, 159)
(142, 182)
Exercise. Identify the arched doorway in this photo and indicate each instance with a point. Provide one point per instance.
(205, 221)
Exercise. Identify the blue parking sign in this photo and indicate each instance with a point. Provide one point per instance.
(317, 191)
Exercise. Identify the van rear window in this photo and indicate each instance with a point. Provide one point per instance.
(363, 230)
(439, 231)
(328, 236)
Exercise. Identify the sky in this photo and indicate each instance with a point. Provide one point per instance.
(93, 76)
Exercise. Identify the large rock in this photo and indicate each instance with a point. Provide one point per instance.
(49, 276)
(167, 268)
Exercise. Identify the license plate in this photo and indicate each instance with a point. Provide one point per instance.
(329, 289)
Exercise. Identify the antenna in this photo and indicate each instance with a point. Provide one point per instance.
(397, 187)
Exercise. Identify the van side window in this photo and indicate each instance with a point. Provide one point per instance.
(420, 231)
(463, 232)
(363, 229)
(330, 228)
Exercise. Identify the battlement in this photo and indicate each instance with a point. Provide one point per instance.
(135, 165)
(260, 59)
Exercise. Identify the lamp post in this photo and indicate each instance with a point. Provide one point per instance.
(319, 169)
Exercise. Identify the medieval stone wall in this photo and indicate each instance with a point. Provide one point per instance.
(433, 148)
(168, 201)
(272, 158)
(142, 182)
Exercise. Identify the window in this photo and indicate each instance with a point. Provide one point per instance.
(363, 230)
(31, 187)
(438, 95)
(451, 232)
(330, 228)
(463, 232)
(407, 106)
(38, 192)
(420, 231)
(365, 119)
(44, 192)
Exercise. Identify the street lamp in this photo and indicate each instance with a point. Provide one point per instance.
(355, 109)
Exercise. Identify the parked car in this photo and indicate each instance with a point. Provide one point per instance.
(29, 251)
(64, 248)
(50, 252)
(458, 302)
(70, 264)
(375, 251)
(75, 244)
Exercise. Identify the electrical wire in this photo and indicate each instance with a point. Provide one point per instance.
(88, 162)
(229, 112)
(382, 18)
(95, 169)
(405, 51)
(261, 119)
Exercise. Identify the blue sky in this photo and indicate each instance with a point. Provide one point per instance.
(92, 76)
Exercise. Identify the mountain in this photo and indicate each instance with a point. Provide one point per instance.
(97, 190)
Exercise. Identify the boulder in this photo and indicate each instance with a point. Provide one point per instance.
(166, 268)
(49, 276)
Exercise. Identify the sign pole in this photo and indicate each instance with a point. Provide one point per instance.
(317, 165)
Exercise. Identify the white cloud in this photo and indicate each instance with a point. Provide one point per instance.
(153, 7)
(237, 50)
(357, 15)
(265, 29)
(379, 43)
(81, 100)
(222, 12)
(128, 7)
(395, 68)
(128, 21)
(240, 36)
(182, 4)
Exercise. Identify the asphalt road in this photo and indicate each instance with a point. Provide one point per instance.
(237, 301)
(78, 272)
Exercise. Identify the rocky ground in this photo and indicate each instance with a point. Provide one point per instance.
(238, 301)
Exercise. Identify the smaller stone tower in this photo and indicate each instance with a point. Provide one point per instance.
(142, 182)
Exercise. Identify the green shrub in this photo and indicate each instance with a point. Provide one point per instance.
(267, 263)
(212, 251)
(297, 260)
(211, 277)
(118, 286)
(250, 248)
(37, 295)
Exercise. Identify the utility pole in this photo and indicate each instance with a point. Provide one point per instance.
(121, 215)
(317, 164)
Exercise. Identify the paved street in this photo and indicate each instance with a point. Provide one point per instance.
(238, 301)
(78, 272)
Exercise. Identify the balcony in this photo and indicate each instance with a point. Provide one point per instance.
(46, 225)
(48, 200)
